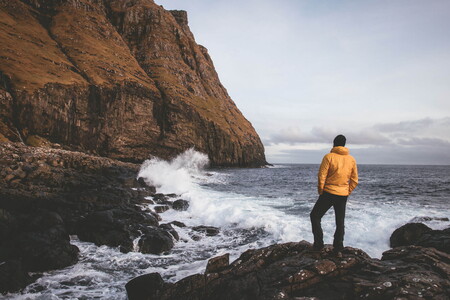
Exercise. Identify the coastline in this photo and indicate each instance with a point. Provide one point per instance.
(77, 194)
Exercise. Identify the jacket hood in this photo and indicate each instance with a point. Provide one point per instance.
(340, 150)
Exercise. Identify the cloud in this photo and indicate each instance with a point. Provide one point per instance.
(426, 132)
(406, 126)
(425, 142)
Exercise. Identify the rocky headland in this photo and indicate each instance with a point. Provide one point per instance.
(123, 79)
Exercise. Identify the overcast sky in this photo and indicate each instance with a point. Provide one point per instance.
(304, 71)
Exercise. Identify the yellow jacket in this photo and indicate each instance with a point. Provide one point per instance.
(338, 174)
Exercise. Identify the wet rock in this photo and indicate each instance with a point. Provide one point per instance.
(218, 263)
(161, 208)
(114, 227)
(144, 287)
(155, 241)
(408, 234)
(12, 276)
(171, 230)
(439, 239)
(178, 224)
(160, 198)
(180, 204)
(296, 271)
(43, 243)
(421, 235)
(208, 230)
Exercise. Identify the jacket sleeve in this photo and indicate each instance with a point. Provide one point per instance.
(323, 172)
(353, 179)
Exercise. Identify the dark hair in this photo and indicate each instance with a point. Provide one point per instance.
(339, 141)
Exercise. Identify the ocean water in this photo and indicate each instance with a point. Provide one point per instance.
(253, 208)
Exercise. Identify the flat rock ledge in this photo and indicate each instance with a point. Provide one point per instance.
(296, 271)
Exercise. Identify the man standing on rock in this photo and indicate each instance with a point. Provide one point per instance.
(337, 178)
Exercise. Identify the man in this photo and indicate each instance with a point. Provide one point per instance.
(337, 178)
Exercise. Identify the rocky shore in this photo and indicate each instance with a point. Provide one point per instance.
(296, 271)
(48, 194)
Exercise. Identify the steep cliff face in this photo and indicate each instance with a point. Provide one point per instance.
(123, 79)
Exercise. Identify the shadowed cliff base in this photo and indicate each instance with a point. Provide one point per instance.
(122, 79)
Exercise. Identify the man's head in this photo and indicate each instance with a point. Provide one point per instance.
(339, 141)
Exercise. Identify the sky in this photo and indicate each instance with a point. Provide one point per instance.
(303, 71)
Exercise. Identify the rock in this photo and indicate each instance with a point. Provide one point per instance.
(123, 104)
(208, 230)
(144, 287)
(439, 239)
(171, 230)
(12, 276)
(296, 271)
(155, 241)
(180, 204)
(161, 208)
(408, 234)
(421, 235)
(114, 227)
(178, 224)
(218, 263)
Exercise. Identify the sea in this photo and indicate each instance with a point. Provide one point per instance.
(253, 208)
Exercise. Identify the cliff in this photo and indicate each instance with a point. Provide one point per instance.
(122, 79)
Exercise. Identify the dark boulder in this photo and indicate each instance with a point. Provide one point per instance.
(144, 287)
(156, 241)
(114, 227)
(408, 234)
(43, 243)
(13, 276)
(180, 204)
(421, 235)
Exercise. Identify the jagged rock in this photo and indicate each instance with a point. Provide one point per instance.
(156, 241)
(145, 87)
(208, 230)
(296, 271)
(180, 204)
(218, 263)
(408, 234)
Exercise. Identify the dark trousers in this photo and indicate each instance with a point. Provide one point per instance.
(322, 205)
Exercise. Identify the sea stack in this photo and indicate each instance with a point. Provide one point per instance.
(121, 79)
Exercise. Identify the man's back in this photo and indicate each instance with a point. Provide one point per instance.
(338, 173)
